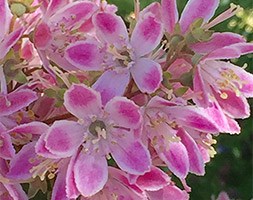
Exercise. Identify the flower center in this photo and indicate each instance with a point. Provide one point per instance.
(97, 127)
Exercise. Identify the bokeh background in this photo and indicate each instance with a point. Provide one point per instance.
(231, 169)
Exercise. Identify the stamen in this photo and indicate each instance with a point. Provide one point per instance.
(3, 82)
(224, 95)
(233, 10)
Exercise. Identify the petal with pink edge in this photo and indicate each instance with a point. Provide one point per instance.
(84, 55)
(16, 191)
(146, 35)
(64, 138)
(82, 101)
(22, 163)
(153, 9)
(124, 112)
(196, 161)
(176, 158)
(131, 156)
(169, 192)
(147, 75)
(35, 128)
(15, 101)
(200, 89)
(194, 117)
(74, 14)
(7, 151)
(54, 6)
(111, 84)
(59, 189)
(169, 14)
(195, 9)
(217, 41)
(9, 41)
(42, 36)
(229, 52)
(234, 106)
(154, 180)
(90, 173)
(71, 189)
(111, 28)
(5, 19)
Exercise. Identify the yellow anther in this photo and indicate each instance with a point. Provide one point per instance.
(51, 175)
(224, 95)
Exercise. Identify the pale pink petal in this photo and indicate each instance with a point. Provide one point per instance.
(59, 189)
(9, 41)
(131, 156)
(229, 52)
(223, 196)
(200, 89)
(234, 127)
(234, 106)
(196, 9)
(146, 35)
(7, 151)
(22, 163)
(35, 128)
(176, 158)
(71, 189)
(179, 67)
(90, 173)
(169, 14)
(74, 14)
(169, 192)
(5, 18)
(84, 55)
(124, 112)
(154, 9)
(82, 101)
(43, 56)
(194, 117)
(218, 40)
(41, 149)
(147, 75)
(42, 36)
(111, 84)
(15, 101)
(54, 6)
(16, 192)
(154, 180)
(196, 161)
(111, 28)
(64, 138)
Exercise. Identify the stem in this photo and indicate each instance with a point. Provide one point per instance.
(136, 9)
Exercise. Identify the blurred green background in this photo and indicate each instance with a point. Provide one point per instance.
(231, 169)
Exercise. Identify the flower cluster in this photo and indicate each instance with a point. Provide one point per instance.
(93, 109)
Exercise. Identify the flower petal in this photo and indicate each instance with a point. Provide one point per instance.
(35, 128)
(9, 41)
(176, 158)
(195, 157)
(59, 189)
(22, 163)
(16, 191)
(131, 156)
(234, 106)
(217, 41)
(146, 35)
(111, 28)
(229, 52)
(84, 55)
(64, 138)
(147, 75)
(15, 101)
(195, 9)
(7, 151)
(154, 180)
(124, 112)
(54, 6)
(91, 173)
(169, 14)
(5, 19)
(42, 36)
(111, 84)
(82, 101)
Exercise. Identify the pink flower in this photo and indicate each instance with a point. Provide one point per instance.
(99, 131)
(128, 57)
